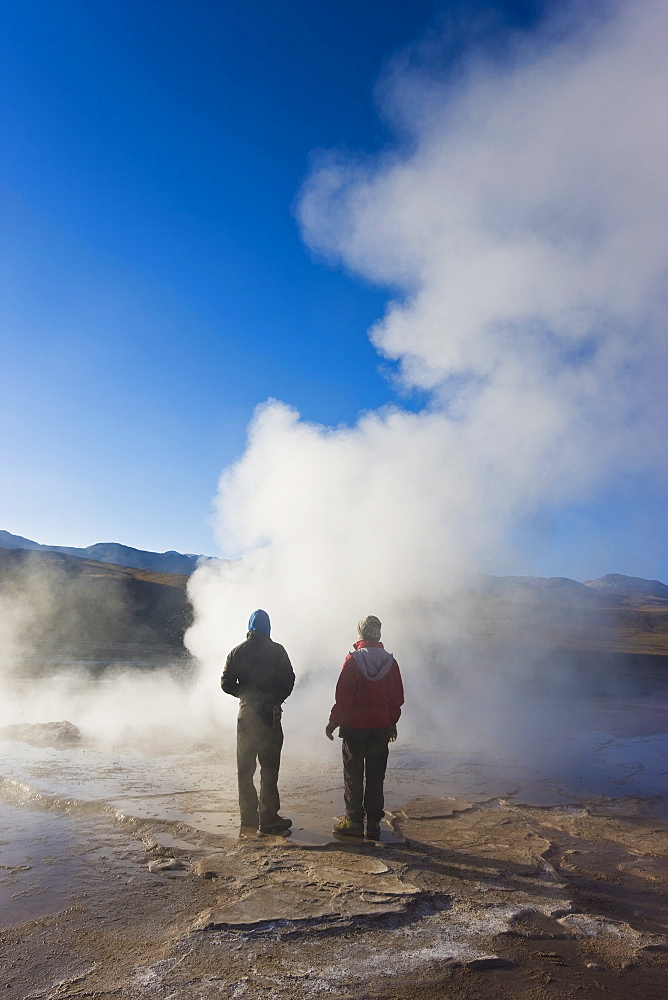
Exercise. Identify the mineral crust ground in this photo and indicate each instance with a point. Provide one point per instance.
(114, 884)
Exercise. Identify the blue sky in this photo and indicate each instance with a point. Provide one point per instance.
(155, 285)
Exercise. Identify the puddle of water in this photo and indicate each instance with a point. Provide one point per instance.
(46, 857)
(197, 787)
(56, 825)
(180, 810)
(572, 767)
(310, 838)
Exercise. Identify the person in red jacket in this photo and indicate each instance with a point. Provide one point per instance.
(369, 696)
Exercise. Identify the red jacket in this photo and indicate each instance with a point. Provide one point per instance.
(369, 692)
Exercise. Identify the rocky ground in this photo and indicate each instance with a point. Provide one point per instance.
(458, 899)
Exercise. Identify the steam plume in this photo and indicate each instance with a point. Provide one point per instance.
(519, 220)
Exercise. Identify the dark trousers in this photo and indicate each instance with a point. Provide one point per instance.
(365, 753)
(259, 738)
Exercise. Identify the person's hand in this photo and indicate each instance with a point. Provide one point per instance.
(329, 732)
(393, 735)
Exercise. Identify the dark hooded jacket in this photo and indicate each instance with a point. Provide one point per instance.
(369, 692)
(258, 672)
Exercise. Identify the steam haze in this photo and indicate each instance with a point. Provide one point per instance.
(447, 353)
(63, 623)
(519, 222)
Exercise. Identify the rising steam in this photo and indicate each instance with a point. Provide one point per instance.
(518, 220)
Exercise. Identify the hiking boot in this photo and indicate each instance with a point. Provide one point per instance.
(278, 825)
(373, 829)
(348, 828)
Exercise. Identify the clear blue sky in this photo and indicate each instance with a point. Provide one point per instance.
(155, 288)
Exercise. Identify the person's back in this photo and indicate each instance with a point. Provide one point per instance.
(369, 693)
(369, 696)
(258, 672)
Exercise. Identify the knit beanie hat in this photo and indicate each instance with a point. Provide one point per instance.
(369, 628)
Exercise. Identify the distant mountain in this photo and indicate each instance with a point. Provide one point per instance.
(552, 588)
(562, 590)
(628, 586)
(612, 631)
(65, 609)
(9, 541)
(114, 553)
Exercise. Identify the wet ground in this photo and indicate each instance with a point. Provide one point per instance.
(123, 872)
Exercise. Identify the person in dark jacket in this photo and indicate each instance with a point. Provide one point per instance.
(369, 696)
(259, 673)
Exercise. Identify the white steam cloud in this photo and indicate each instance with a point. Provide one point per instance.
(520, 220)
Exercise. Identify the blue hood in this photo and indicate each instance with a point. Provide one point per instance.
(259, 622)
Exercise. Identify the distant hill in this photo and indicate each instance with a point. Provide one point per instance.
(553, 589)
(563, 590)
(628, 586)
(617, 625)
(58, 606)
(114, 553)
(58, 609)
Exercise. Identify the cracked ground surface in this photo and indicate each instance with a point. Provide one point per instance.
(127, 877)
(466, 900)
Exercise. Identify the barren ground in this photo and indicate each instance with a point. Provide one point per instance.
(465, 898)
